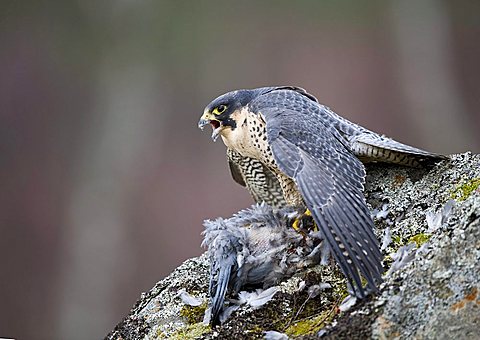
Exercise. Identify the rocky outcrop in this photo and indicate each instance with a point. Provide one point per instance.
(432, 291)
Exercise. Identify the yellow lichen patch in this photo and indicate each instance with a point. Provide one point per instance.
(193, 314)
(310, 325)
(419, 239)
(191, 331)
(463, 191)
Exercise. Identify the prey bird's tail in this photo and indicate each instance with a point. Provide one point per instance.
(219, 288)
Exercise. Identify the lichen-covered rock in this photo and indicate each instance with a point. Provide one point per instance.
(434, 296)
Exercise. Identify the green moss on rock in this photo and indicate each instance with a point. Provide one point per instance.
(193, 314)
(419, 239)
(397, 240)
(310, 325)
(191, 331)
(463, 191)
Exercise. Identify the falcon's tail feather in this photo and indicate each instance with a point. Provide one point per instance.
(371, 147)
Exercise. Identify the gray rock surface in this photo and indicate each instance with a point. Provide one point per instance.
(434, 296)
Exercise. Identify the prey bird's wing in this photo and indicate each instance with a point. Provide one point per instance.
(330, 179)
(260, 181)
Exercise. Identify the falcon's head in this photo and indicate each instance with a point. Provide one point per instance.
(220, 112)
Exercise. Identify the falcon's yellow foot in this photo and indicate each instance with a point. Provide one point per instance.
(304, 223)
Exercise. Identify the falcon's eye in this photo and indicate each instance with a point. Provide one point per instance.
(219, 109)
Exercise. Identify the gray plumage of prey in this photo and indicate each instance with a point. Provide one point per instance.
(288, 149)
(256, 247)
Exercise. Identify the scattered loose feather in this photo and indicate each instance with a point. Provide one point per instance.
(423, 248)
(258, 298)
(189, 299)
(227, 312)
(207, 317)
(274, 335)
(387, 239)
(348, 303)
(315, 290)
(383, 213)
(402, 257)
(435, 220)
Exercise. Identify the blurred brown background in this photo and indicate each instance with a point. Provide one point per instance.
(105, 178)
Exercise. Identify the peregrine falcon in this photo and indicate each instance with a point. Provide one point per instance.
(288, 149)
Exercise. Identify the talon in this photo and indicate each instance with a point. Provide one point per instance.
(296, 224)
(314, 224)
(304, 223)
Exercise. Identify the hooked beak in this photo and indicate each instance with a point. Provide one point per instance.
(208, 118)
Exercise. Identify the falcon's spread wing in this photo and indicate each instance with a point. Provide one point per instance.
(330, 179)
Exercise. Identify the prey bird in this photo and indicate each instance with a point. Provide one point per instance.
(287, 149)
(256, 247)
